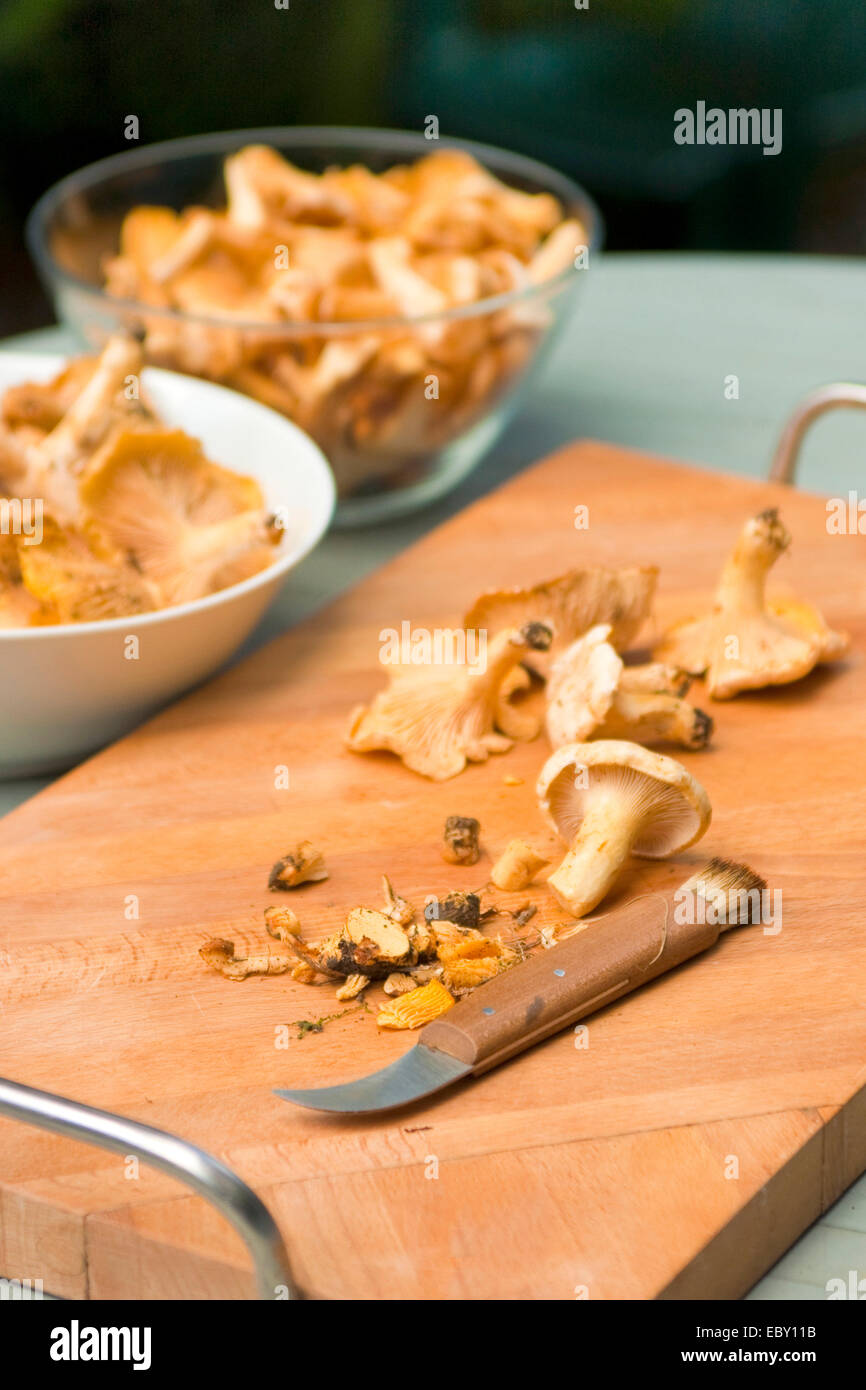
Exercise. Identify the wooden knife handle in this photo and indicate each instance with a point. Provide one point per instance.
(559, 986)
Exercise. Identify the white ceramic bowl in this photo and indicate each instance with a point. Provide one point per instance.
(66, 691)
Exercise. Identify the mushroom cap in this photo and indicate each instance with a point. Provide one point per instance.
(674, 807)
(438, 718)
(807, 620)
(572, 603)
(78, 576)
(190, 526)
(581, 686)
(769, 650)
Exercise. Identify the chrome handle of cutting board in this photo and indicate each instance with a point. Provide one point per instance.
(174, 1156)
(839, 393)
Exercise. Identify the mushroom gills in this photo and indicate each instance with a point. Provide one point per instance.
(611, 799)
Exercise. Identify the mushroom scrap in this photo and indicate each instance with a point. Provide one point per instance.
(439, 718)
(591, 691)
(302, 864)
(517, 866)
(461, 844)
(611, 799)
(747, 641)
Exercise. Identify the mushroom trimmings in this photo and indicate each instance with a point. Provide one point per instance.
(307, 256)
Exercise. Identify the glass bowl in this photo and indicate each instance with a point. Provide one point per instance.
(395, 440)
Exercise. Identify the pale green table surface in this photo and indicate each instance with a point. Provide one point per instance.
(644, 363)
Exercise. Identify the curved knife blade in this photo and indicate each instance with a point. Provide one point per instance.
(419, 1072)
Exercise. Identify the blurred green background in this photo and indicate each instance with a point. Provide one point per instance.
(591, 90)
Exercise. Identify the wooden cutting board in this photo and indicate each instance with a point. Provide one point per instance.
(712, 1117)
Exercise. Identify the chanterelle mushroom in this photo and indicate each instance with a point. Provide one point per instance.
(439, 718)
(188, 525)
(461, 840)
(591, 691)
(746, 641)
(517, 866)
(303, 864)
(611, 799)
(572, 603)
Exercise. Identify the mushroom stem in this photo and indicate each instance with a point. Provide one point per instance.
(89, 416)
(646, 717)
(603, 843)
(504, 652)
(654, 678)
(744, 577)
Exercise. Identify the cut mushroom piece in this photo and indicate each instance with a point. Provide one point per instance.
(472, 962)
(559, 249)
(416, 1008)
(462, 909)
(611, 799)
(195, 235)
(590, 691)
(18, 607)
(307, 974)
(281, 923)
(517, 867)
(354, 985)
(42, 405)
(303, 864)
(461, 840)
(369, 944)
(747, 642)
(436, 719)
(397, 908)
(220, 955)
(400, 982)
(260, 184)
(571, 604)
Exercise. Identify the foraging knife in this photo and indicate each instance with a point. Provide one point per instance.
(609, 958)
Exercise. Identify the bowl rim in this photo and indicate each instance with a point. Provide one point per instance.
(572, 194)
(279, 567)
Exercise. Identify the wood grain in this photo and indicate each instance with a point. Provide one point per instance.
(606, 1169)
